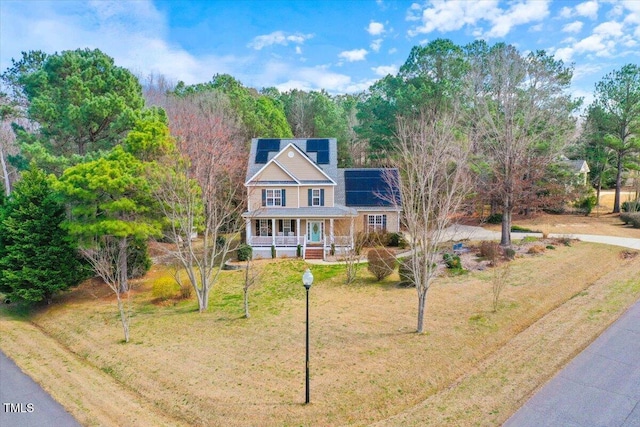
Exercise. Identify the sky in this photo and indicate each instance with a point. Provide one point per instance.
(342, 46)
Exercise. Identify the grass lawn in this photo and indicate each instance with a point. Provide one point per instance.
(368, 366)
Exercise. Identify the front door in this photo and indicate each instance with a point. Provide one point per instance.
(314, 234)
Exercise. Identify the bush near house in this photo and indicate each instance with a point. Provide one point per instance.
(381, 262)
(244, 252)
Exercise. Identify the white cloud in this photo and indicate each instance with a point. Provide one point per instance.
(588, 9)
(564, 53)
(566, 12)
(609, 29)
(375, 28)
(446, 16)
(278, 38)
(574, 27)
(354, 55)
(376, 45)
(518, 14)
(383, 70)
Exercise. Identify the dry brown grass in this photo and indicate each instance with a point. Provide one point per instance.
(367, 364)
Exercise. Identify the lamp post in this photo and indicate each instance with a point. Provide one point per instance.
(307, 281)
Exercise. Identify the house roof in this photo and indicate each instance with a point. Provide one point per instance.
(313, 148)
(368, 188)
(265, 159)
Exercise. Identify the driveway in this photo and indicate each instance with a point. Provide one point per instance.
(25, 404)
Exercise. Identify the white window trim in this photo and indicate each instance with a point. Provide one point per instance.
(375, 222)
(316, 200)
(273, 197)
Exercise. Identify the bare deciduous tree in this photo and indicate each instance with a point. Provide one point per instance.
(202, 190)
(499, 281)
(521, 112)
(108, 257)
(430, 156)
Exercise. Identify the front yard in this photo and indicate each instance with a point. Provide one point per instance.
(471, 367)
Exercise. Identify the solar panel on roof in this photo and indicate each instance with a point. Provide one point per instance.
(321, 148)
(369, 187)
(266, 146)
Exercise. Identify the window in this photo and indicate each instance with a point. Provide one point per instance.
(376, 223)
(274, 197)
(264, 227)
(287, 226)
(316, 197)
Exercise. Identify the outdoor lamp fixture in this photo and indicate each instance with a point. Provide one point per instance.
(307, 281)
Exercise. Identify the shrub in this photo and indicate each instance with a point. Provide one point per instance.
(273, 252)
(381, 262)
(452, 261)
(299, 251)
(244, 252)
(509, 253)
(537, 249)
(165, 288)
(631, 206)
(395, 239)
(519, 229)
(495, 218)
(550, 247)
(138, 259)
(490, 250)
(586, 204)
(186, 291)
(632, 218)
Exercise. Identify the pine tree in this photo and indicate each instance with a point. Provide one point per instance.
(37, 257)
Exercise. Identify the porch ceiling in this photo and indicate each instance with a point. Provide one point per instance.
(305, 212)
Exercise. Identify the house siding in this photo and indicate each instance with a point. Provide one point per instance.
(273, 173)
(299, 165)
(328, 195)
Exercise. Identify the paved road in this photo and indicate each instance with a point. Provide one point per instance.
(23, 403)
(600, 387)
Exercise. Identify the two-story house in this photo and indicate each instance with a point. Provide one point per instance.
(300, 201)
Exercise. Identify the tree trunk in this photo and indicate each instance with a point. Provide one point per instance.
(422, 301)
(122, 265)
(123, 318)
(616, 200)
(246, 303)
(505, 239)
(5, 174)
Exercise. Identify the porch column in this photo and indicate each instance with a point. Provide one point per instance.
(331, 236)
(351, 223)
(298, 231)
(247, 226)
(273, 231)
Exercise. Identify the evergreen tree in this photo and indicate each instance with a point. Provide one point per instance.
(37, 257)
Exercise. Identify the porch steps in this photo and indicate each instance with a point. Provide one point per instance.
(314, 253)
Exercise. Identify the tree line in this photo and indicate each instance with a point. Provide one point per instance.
(112, 160)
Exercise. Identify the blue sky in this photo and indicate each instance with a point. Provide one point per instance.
(341, 46)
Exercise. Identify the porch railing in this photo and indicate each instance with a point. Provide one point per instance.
(278, 241)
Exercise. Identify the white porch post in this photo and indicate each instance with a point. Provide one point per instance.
(298, 231)
(331, 236)
(351, 223)
(247, 225)
(273, 231)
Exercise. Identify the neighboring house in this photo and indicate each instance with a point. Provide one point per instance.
(298, 199)
(579, 167)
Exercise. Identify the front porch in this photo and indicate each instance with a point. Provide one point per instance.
(310, 238)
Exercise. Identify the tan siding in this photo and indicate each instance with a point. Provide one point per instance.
(328, 195)
(392, 220)
(255, 197)
(299, 166)
(273, 173)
